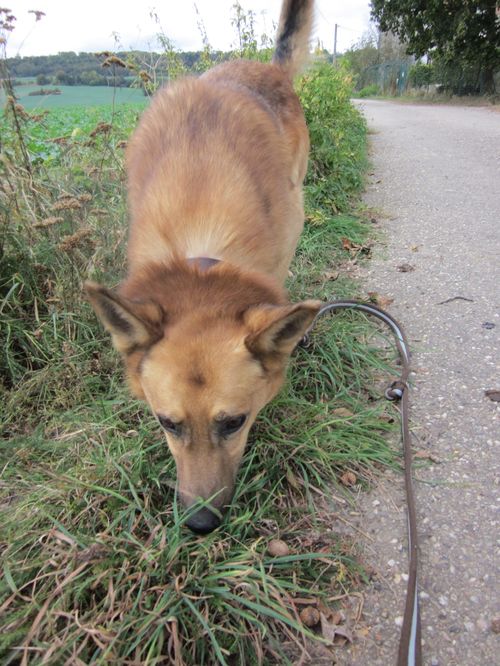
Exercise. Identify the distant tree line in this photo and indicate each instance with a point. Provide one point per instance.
(97, 69)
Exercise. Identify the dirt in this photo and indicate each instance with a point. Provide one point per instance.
(435, 189)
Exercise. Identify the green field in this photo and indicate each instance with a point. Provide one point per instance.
(98, 567)
(74, 96)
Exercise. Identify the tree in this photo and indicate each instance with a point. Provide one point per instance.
(465, 32)
(42, 80)
(364, 53)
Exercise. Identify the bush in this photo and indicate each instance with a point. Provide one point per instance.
(420, 75)
(337, 132)
(369, 91)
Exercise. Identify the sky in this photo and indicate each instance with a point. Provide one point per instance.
(92, 25)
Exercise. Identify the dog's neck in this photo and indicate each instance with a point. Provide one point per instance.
(203, 263)
(195, 283)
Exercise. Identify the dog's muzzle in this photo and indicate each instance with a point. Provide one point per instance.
(203, 521)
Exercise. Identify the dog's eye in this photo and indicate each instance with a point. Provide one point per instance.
(231, 425)
(169, 425)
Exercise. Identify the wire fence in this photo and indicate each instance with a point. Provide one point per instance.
(391, 77)
(394, 77)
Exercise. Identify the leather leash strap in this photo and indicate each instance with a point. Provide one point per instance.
(410, 641)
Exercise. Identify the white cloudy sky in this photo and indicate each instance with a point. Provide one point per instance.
(89, 25)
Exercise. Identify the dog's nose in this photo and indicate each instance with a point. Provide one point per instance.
(203, 521)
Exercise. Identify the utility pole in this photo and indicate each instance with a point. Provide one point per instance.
(335, 45)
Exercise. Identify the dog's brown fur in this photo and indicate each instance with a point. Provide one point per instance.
(215, 169)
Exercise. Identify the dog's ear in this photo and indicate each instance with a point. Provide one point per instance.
(131, 324)
(276, 329)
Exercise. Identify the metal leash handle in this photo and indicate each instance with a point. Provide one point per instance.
(410, 641)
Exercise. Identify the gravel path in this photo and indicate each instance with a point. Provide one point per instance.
(436, 185)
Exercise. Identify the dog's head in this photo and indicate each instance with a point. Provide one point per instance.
(205, 375)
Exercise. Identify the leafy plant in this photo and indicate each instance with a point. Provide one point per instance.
(337, 132)
(420, 75)
(369, 91)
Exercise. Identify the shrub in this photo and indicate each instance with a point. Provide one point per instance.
(337, 132)
(420, 75)
(369, 91)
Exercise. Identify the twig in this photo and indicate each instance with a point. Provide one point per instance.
(456, 298)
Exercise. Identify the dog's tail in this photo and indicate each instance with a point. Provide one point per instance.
(294, 33)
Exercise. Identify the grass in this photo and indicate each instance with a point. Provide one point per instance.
(97, 564)
(74, 96)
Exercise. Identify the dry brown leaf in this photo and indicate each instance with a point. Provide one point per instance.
(493, 394)
(343, 632)
(363, 632)
(292, 479)
(406, 268)
(336, 617)
(495, 625)
(354, 248)
(382, 301)
(342, 411)
(427, 455)
(333, 632)
(348, 479)
(331, 275)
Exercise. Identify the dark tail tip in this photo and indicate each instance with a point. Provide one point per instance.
(294, 33)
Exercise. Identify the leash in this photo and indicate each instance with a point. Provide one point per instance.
(410, 640)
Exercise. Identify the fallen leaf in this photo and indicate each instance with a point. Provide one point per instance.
(331, 631)
(331, 275)
(493, 394)
(406, 268)
(342, 411)
(327, 629)
(415, 248)
(348, 479)
(343, 632)
(382, 301)
(495, 625)
(363, 632)
(336, 617)
(292, 479)
(355, 248)
(427, 455)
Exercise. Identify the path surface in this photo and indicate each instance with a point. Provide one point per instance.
(437, 180)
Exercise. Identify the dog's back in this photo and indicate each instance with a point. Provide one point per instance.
(216, 165)
(202, 320)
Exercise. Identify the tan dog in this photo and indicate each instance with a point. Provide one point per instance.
(215, 171)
